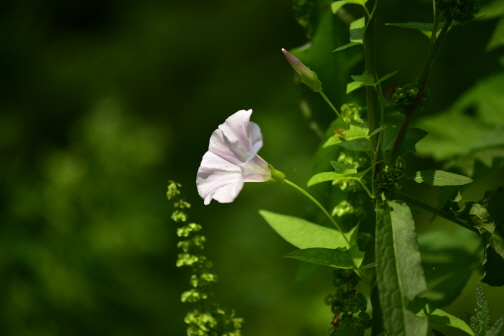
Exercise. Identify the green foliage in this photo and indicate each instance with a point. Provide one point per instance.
(356, 33)
(480, 322)
(399, 274)
(332, 176)
(440, 178)
(304, 234)
(423, 308)
(448, 261)
(338, 258)
(476, 217)
(472, 138)
(366, 79)
(413, 136)
(210, 320)
(424, 28)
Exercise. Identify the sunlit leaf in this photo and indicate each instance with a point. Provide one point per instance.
(422, 307)
(302, 233)
(335, 6)
(399, 274)
(338, 258)
(332, 176)
(440, 178)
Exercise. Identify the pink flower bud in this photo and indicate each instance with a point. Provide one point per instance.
(308, 77)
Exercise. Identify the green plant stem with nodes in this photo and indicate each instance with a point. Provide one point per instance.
(304, 192)
(422, 82)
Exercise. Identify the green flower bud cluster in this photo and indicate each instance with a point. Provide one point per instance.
(462, 11)
(348, 306)
(208, 323)
(351, 113)
(403, 99)
(389, 179)
(211, 320)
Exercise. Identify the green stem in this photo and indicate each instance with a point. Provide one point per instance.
(333, 108)
(422, 82)
(301, 190)
(366, 188)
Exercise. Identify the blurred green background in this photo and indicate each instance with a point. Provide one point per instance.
(103, 101)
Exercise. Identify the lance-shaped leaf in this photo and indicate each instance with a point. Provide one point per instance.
(440, 178)
(333, 176)
(304, 234)
(356, 33)
(424, 28)
(338, 258)
(366, 79)
(422, 307)
(399, 274)
(481, 324)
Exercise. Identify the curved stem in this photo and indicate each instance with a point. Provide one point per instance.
(422, 82)
(304, 192)
(333, 108)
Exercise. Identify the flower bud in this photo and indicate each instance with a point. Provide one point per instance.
(308, 77)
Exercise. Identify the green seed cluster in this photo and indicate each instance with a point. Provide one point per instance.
(389, 179)
(351, 113)
(348, 306)
(462, 11)
(211, 319)
(403, 99)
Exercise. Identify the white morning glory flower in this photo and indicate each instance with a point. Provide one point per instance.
(232, 159)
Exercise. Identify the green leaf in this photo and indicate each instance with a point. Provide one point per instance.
(481, 320)
(343, 168)
(448, 259)
(335, 6)
(351, 138)
(494, 265)
(440, 178)
(302, 233)
(413, 136)
(338, 258)
(472, 137)
(423, 308)
(437, 333)
(356, 33)
(366, 79)
(346, 46)
(332, 176)
(424, 28)
(399, 274)
(378, 130)
(493, 10)
(497, 328)
(497, 38)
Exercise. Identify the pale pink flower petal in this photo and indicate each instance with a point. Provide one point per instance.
(232, 159)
